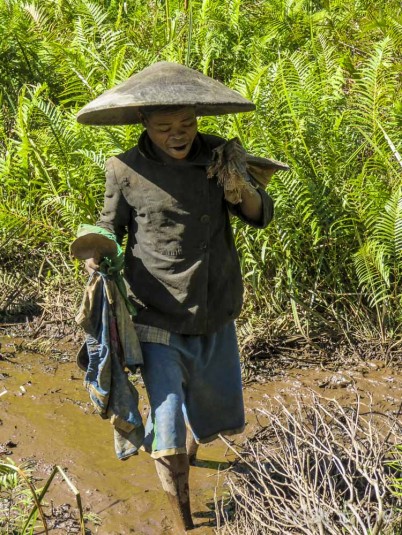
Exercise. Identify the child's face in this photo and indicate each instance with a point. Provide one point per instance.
(173, 131)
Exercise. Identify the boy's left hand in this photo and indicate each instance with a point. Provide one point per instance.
(229, 167)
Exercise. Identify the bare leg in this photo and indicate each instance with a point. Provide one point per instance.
(191, 447)
(173, 472)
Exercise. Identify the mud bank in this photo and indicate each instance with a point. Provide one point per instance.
(46, 416)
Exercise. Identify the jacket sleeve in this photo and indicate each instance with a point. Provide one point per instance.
(267, 209)
(115, 214)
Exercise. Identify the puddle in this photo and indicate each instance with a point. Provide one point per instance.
(46, 416)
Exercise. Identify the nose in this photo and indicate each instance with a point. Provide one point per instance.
(178, 132)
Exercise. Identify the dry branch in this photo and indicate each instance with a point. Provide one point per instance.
(316, 468)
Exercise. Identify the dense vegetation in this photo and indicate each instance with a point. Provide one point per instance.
(326, 78)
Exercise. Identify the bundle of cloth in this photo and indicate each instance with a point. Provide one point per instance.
(111, 349)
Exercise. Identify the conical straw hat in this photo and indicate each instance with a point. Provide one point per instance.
(162, 84)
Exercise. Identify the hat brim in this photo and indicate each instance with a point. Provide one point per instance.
(163, 84)
(116, 115)
(265, 163)
(89, 245)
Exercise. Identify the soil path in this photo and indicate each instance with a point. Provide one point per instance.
(46, 416)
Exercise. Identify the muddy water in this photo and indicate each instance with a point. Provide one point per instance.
(46, 416)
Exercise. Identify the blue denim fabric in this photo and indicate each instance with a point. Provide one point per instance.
(109, 388)
(195, 379)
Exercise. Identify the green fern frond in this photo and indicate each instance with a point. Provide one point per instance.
(372, 93)
(373, 271)
(95, 157)
(41, 16)
(93, 14)
(387, 228)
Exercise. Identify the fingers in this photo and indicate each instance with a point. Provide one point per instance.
(92, 264)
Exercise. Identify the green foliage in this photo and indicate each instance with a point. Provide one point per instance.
(396, 472)
(16, 500)
(325, 77)
(21, 503)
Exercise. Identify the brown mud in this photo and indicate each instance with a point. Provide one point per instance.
(46, 417)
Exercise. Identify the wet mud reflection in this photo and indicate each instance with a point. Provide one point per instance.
(46, 416)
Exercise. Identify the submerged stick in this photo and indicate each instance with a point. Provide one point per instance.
(36, 499)
(39, 499)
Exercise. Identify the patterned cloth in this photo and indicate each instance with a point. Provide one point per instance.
(111, 346)
(147, 333)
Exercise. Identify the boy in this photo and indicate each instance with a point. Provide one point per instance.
(180, 261)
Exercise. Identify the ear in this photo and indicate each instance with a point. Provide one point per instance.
(142, 119)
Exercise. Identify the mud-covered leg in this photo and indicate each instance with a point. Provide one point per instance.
(191, 447)
(173, 471)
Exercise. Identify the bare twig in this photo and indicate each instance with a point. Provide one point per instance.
(316, 468)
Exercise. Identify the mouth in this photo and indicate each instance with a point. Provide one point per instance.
(179, 148)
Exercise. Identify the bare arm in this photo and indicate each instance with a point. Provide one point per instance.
(251, 204)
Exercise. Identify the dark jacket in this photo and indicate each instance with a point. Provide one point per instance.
(180, 260)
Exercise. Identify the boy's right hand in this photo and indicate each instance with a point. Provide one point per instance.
(93, 248)
(92, 264)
